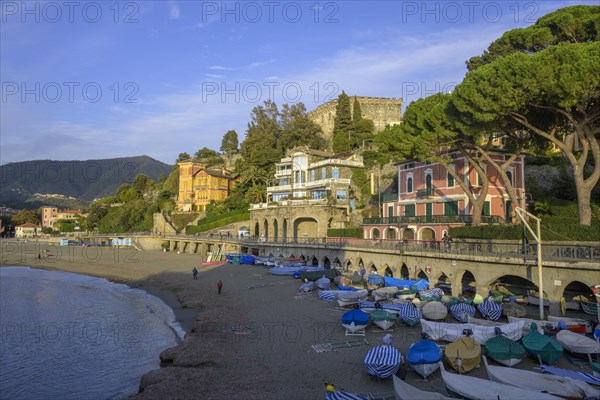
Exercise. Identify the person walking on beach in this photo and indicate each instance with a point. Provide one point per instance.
(219, 286)
(195, 273)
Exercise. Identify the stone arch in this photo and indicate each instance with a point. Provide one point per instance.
(306, 227)
(388, 272)
(270, 254)
(314, 261)
(361, 264)
(372, 269)
(337, 263)
(404, 272)
(408, 234)
(326, 263)
(256, 229)
(266, 228)
(422, 275)
(302, 256)
(443, 282)
(390, 233)
(284, 235)
(275, 230)
(348, 266)
(375, 234)
(577, 290)
(427, 233)
(280, 255)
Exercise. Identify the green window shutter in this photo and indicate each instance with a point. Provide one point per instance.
(451, 208)
(450, 180)
(486, 209)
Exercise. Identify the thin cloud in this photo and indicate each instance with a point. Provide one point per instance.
(216, 76)
(174, 10)
(220, 68)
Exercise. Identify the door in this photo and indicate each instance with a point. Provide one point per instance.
(390, 214)
(428, 212)
(508, 211)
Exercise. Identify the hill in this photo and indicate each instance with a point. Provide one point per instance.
(30, 184)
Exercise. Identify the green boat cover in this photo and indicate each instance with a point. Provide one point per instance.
(536, 344)
(314, 275)
(503, 348)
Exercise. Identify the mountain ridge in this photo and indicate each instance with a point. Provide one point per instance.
(84, 180)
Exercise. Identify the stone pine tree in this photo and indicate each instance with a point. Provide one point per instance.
(229, 143)
(342, 125)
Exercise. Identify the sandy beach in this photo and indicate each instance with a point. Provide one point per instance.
(252, 341)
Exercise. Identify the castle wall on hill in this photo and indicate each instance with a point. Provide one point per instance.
(382, 111)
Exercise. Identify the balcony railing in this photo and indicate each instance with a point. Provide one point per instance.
(432, 219)
(425, 193)
(327, 182)
(280, 188)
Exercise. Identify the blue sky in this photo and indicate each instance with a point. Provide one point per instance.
(89, 80)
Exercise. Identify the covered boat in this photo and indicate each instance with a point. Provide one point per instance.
(409, 314)
(434, 310)
(527, 324)
(420, 284)
(329, 295)
(424, 356)
(576, 325)
(513, 309)
(464, 354)
(286, 271)
(481, 334)
(540, 346)
(469, 387)
(343, 395)
(382, 318)
(489, 309)
(348, 298)
(462, 311)
(374, 281)
(314, 275)
(504, 350)
(323, 282)
(589, 308)
(383, 361)
(567, 373)
(405, 391)
(434, 294)
(307, 287)
(342, 280)
(357, 279)
(384, 293)
(555, 385)
(580, 345)
(355, 320)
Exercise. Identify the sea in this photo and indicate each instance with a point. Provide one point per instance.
(70, 336)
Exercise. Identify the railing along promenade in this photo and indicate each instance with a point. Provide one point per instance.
(551, 251)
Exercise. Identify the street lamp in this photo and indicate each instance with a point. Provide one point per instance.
(521, 213)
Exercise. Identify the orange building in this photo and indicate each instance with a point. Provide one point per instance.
(198, 185)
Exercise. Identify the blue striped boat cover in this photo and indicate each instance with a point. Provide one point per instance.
(435, 292)
(385, 306)
(329, 295)
(567, 373)
(375, 279)
(383, 361)
(461, 311)
(421, 284)
(490, 310)
(409, 312)
(340, 395)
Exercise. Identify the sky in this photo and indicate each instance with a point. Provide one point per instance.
(104, 79)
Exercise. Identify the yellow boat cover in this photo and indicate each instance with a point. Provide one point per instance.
(469, 352)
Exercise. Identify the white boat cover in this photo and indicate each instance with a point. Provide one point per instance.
(576, 343)
(434, 310)
(481, 389)
(481, 334)
(341, 395)
(405, 391)
(556, 385)
(384, 292)
(528, 321)
(567, 320)
(349, 296)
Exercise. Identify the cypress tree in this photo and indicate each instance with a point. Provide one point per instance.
(356, 112)
(342, 125)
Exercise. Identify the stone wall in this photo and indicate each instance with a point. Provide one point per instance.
(381, 110)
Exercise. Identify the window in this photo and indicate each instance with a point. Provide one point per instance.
(313, 175)
(324, 173)
(409, 185)
(409, 210)
(449, 180)
(341, 195)
(335, 173)
(451, 208)
(510, 177)
(486, 209)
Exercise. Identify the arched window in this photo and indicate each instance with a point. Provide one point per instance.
(409, 185)
(509, 175)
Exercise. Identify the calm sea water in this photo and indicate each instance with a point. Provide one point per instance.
(69, 336)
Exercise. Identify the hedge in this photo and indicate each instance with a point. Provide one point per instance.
(349, 232)
(559, 231)
(190, 229)
(213, 218)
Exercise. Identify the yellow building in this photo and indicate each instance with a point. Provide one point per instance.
(198, 185)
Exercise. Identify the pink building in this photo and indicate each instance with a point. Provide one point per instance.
(50, 215)
(429, 201)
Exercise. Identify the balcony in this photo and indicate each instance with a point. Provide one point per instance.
(344, 163)
(425, 193)
(432, 219)
(281, 188)
(327, 182)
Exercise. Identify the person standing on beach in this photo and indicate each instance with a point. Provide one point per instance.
(195, 273)
(219, 286)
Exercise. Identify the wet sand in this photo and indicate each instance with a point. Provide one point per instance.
(252, 341)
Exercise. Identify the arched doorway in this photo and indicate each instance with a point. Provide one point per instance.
(256, 229)
(361, 265)
(306, 227)
(348, 266)
(266, 229)
(422, 275)
(388, 272)
(445, 284)
(285, 233)
(372, 269)
(326, 263)
(469, 284)
(275, 231)
(337, 264)
(408, 234)
(375, 233)
(427, 234)
(390, 233)
(404, 271)
(576, 292)
(314, 261)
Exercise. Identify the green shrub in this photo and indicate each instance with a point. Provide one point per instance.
(212, 218)
(181, 220)
(230, 219)
(348, 232)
